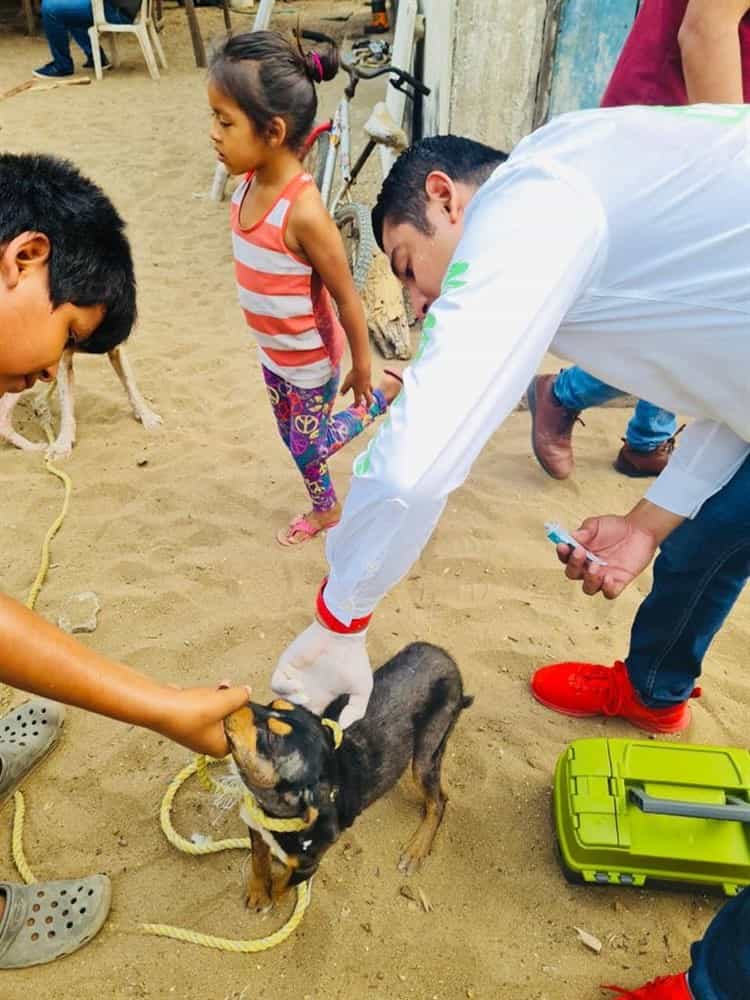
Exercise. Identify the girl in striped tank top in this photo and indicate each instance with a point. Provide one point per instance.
(290, 261)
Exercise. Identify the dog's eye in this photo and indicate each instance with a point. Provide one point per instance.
(282, 705)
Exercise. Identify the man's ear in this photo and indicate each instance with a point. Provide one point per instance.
(23, 254)
(440, 188)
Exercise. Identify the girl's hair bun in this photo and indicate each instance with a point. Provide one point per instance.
(322, 66)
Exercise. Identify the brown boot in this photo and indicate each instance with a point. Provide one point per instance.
(640, 464)
(551, 428)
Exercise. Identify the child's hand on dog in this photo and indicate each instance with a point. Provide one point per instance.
(194, 717)
(359, 380)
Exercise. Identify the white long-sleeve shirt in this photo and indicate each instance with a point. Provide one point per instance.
(619, 239)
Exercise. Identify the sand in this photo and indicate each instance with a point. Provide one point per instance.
(174, 530)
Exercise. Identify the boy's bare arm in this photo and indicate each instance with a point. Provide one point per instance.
(37, 657)
(710, 48)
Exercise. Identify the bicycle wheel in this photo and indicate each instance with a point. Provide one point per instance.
(353, 221)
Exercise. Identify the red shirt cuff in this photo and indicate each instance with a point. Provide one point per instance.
(332, 623)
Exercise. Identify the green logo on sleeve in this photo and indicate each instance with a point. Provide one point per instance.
(721, 114)
(424, 340)
(451, 282)
(452, 279)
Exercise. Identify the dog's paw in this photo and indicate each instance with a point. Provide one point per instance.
(258, 898)
(149, 419)
(416, 850)
(409, 862)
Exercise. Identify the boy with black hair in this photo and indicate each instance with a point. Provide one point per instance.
(66, 279)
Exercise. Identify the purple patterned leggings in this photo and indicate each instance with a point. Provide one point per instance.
(312, 433)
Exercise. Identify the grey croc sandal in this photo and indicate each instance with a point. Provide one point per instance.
(27, 734)
(47, 920)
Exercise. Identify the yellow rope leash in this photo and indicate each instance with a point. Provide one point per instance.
(19, 858)
(51, 532)
(19, 806)
(228, 944)
(200, 767)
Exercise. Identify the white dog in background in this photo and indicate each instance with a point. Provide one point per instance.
(63, 444)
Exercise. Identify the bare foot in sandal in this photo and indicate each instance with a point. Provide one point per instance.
(307, 526)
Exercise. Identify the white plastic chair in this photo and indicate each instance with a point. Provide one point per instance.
(142, 27)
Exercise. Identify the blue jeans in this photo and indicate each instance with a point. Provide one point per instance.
(649, 426)
(721, 960)
(61, 18)
(699, 574)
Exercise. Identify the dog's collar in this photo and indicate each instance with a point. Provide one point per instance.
(338, 732)
(293, 824)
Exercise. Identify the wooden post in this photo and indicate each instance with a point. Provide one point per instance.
(199, 49)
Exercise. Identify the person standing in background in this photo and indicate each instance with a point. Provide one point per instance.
(677, 52)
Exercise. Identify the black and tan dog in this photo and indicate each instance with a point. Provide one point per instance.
(287, 759)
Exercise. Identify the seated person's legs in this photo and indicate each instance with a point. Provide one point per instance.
(62, 18)
(59, 19)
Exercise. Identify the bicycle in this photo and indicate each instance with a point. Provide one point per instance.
(329, 147)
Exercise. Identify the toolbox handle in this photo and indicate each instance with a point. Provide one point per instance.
(736, 809)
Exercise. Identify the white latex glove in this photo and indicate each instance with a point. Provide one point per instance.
(320, 665)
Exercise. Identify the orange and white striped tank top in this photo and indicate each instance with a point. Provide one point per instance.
(285, 303)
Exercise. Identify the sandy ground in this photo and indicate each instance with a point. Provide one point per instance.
(174, 531)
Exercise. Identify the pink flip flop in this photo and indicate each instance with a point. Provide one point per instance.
(300, 525)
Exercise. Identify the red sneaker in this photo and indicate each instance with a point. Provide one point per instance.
(663, 988)
(584, 689)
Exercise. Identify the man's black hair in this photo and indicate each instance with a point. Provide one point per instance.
(402, 197)
(90, 261)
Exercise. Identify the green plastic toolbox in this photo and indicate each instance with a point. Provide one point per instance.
(637, 812)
